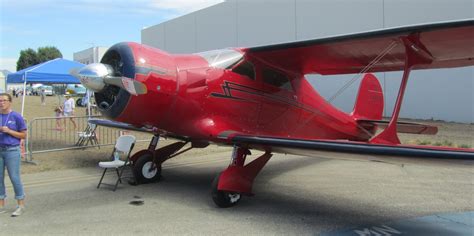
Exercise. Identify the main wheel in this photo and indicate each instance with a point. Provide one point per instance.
(145, 170)
(223, 199)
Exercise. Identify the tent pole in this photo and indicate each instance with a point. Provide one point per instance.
(24, 93)
(88, 99)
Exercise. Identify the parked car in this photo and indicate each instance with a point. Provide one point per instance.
(48, 90)
(35, 89)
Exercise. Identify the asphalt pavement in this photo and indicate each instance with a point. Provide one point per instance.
(294, 195)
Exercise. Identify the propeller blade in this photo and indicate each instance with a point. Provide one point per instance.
(132, 86)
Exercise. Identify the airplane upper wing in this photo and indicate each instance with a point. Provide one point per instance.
(448, 44)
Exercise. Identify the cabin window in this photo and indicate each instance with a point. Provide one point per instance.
(246, 69)
(277, 79)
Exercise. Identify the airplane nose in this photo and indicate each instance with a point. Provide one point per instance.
(92, 76)
(95, 76)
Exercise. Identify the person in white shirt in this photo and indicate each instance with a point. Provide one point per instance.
(43, 97)
(68, 109)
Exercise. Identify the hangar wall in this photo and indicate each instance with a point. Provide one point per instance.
(445, 94)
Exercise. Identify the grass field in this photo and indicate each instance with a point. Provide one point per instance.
(449, 134)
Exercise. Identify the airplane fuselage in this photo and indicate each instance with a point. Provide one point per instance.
(201, 97)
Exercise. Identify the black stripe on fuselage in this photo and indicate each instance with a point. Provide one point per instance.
(228, 87)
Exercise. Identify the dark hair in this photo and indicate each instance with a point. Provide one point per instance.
(6, 94)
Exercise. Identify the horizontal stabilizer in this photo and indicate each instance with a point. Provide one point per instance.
(402, 127)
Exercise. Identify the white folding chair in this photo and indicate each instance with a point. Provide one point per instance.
(123, 148)
(87, 136)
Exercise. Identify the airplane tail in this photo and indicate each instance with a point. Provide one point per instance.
(368, 110)
(369, 103)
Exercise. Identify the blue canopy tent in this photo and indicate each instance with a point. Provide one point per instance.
(55, 71)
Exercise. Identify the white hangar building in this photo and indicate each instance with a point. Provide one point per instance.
(442, 94)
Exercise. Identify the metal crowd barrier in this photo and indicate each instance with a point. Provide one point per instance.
(45, 136)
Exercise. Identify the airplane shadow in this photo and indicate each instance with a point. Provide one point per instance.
(289, 207)
(291, 204)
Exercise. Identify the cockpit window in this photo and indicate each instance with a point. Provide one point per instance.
(246, 69)
(276, 79)
(223, 58)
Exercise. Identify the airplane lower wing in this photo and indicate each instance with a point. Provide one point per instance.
(118, 125)
(294, 146)
(298, 146)
(126, 126)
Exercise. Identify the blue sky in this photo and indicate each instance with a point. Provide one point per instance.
(75, 25)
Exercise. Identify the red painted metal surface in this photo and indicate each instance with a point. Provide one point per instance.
(185, 105)
(347, 54)
(369, 102)
(264, 93)
(187, 97)
(415, 54)
(238, 177)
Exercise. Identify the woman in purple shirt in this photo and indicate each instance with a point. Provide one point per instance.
(12, 130)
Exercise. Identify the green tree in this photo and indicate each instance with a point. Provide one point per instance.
(28, 57)
(48, 53)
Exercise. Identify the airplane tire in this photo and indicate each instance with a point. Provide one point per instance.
(223, 199)
(79, 102)
(142, 171)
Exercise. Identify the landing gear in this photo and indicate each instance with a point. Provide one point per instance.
(237, 179)
(79, 102)
(145, 170)
(223, 199)
(227, 188)
(147, 163)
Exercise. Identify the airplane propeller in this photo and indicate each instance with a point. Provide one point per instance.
(95, 76)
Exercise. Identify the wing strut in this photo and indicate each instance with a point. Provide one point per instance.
(415, 54)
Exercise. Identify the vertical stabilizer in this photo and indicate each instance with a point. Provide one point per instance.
(369, 103)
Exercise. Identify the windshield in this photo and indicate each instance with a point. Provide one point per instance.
(223, 58)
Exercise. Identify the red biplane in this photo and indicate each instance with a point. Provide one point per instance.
(258, 98)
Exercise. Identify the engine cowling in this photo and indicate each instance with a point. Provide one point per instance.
(112, 100)
(151, 67)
